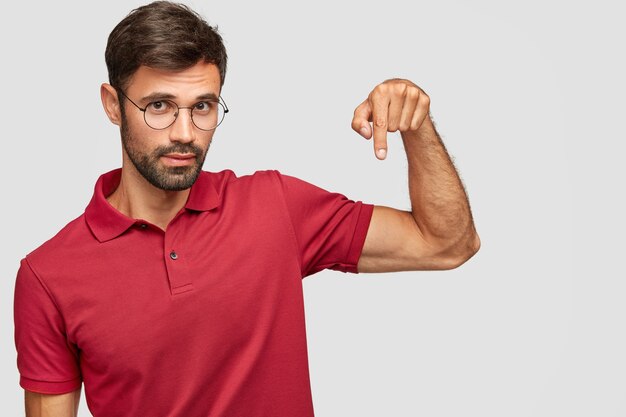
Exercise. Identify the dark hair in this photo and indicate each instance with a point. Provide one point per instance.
(162, 35)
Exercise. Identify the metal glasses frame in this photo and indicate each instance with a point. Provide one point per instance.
(143, 110)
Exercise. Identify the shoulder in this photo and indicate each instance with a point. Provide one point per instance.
(272, 177)
(257, 182)
(73, 235)
(228, 176)
(270, 189)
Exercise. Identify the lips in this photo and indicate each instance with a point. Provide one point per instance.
(179, 159)
(180, 155)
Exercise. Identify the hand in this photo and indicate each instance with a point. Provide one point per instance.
(393, 105)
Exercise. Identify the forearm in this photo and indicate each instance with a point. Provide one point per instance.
(439, 231)
(51, 405)
(439, 203)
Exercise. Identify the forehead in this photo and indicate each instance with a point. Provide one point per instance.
(202, 78)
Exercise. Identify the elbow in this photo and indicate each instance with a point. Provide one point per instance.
(457, 253)
(470, 249)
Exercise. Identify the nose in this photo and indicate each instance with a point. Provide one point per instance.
(183, 130)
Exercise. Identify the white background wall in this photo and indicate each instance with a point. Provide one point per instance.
(529, 99)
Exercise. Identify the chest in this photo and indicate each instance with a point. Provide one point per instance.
(195, 291)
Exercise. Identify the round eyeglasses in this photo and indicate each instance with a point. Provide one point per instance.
(161, 114)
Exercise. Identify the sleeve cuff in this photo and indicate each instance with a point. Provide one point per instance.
(358, 239)
(46, 387)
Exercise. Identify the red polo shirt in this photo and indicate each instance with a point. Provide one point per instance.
(205, 319)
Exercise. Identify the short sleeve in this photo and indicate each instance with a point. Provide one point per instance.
(46, 360)
(330, 229)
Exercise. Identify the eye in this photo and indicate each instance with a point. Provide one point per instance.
(159, 107)
(203, 107)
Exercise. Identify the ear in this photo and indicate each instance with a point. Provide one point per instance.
(111, 103)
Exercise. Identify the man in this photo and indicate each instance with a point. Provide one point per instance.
(178, 291)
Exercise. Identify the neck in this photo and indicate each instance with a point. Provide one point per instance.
(136, 198)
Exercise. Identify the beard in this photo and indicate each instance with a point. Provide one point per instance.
(148, 164)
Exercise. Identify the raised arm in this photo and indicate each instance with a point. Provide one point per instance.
(52, 405)
(438, 232)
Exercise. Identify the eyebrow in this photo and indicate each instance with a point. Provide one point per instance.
(168, 96)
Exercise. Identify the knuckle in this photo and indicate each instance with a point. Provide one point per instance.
(413, 92)
(381, 89)
(400, 88)
(380, 121)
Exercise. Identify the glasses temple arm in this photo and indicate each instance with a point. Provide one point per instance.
(225, 106)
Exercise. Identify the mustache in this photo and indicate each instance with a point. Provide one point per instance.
(178, 148)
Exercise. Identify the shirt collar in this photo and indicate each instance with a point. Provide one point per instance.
(107, 223)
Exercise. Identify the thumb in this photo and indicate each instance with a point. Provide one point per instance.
(361, 119)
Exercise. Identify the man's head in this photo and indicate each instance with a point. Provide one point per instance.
(163, 53)
(163, 35)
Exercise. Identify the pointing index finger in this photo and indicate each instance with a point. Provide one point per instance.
(380, 109)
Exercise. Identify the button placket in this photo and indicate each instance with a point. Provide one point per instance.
(177, 271)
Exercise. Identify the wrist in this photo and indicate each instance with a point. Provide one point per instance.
(426, 130)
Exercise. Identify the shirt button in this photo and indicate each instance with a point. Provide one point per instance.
(173, 255)
(143, 226)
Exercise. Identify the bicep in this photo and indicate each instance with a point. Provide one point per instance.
(394, 242)
(52, 405)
